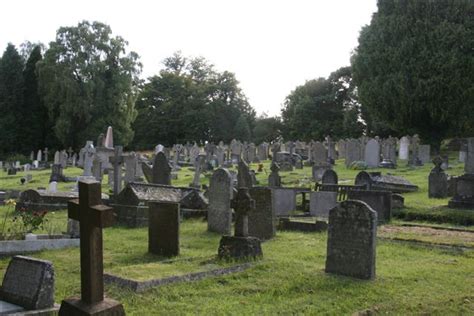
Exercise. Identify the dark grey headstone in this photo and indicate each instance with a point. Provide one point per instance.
(262, 221)
(329, 177)
(163, 228)
(29, 283)
(437, 181)
(219, 214)
(379, 201)
(351, 241)
(161, 169)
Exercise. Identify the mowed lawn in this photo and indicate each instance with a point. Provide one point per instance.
(290, 279)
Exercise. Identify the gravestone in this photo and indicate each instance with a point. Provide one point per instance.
(379, 201)
(163, 228)
(329, 177)
(89, 152)
(244, 178)
(57, 173)
(241, 245)
(353, 152)
(39, 156)
(45, 154)
(262, 219)
(321, 202)
(424, 152)
(93, 216)
(274, 179)
(131, 167)
(464, 184)
(219, 213)
(97, 169)
(161, 169)
(117, 160)
(372, 153)
(389, 149)
(351, 241)
(109, 138)
(437, 180)
(284, 201)
(404, 148)
(53, 187)
(28, 283)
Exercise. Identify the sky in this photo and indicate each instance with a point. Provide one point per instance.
(271, 46)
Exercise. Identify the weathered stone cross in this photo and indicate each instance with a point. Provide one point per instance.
(92, 216)
(117, 161)
(242, 205)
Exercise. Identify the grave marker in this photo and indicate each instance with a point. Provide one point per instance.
(93, 216)
(351, 241)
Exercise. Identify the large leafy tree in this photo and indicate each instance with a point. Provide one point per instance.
(266, 129)
(12, 125)
(414, 67)
(89, 81)
(323, 107)
(190, 101)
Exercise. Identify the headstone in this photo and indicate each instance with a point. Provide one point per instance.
(56, 158)
(353, 151)
(379, 201)
(389, 149)
(351, 241)
(437, 180)
(321, 202)
(404, 148)
(469, 164)
(53, 187)
(262, 219)
(93, 217)
(372, 153)
(219, 213)
(28, 283)
(45, 154)
(241, 245)
(329, 177)
(131, 167)
(161, 169)
(284, 201)
(424, 152)
(163, 228)
(109, 138)
(39, 156)
(117, 162)
(89, 152)
(274, 179)
(244, 179)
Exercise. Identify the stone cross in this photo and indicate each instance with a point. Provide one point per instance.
(117, 160)
(70, 152)
(242, 205)
(93, 216)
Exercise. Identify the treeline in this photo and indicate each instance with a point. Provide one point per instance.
(88, 80)
(411, 73)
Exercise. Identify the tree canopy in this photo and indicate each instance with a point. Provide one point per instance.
(414, 67)
(89, 81)
(323, 107)
(190, 101)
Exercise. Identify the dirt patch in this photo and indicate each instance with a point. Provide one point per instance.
(428, 234)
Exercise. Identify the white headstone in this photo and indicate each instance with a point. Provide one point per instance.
(109, 138)
(53, 187)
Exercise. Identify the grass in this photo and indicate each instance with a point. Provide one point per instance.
(290, 279)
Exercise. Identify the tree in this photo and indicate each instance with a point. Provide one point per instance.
(266, 129)
(12, 125)
(414, 67)
(88, 81)
(39, 134)
(323, 107)
(189, 101)
(242, 129)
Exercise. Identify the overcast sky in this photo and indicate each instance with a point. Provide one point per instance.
(271, 46)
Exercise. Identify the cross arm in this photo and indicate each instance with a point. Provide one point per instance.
(101, 216)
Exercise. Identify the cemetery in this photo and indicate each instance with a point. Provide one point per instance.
(190, 189)
(248, 231)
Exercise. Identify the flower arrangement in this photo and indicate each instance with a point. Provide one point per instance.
(31, 220)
